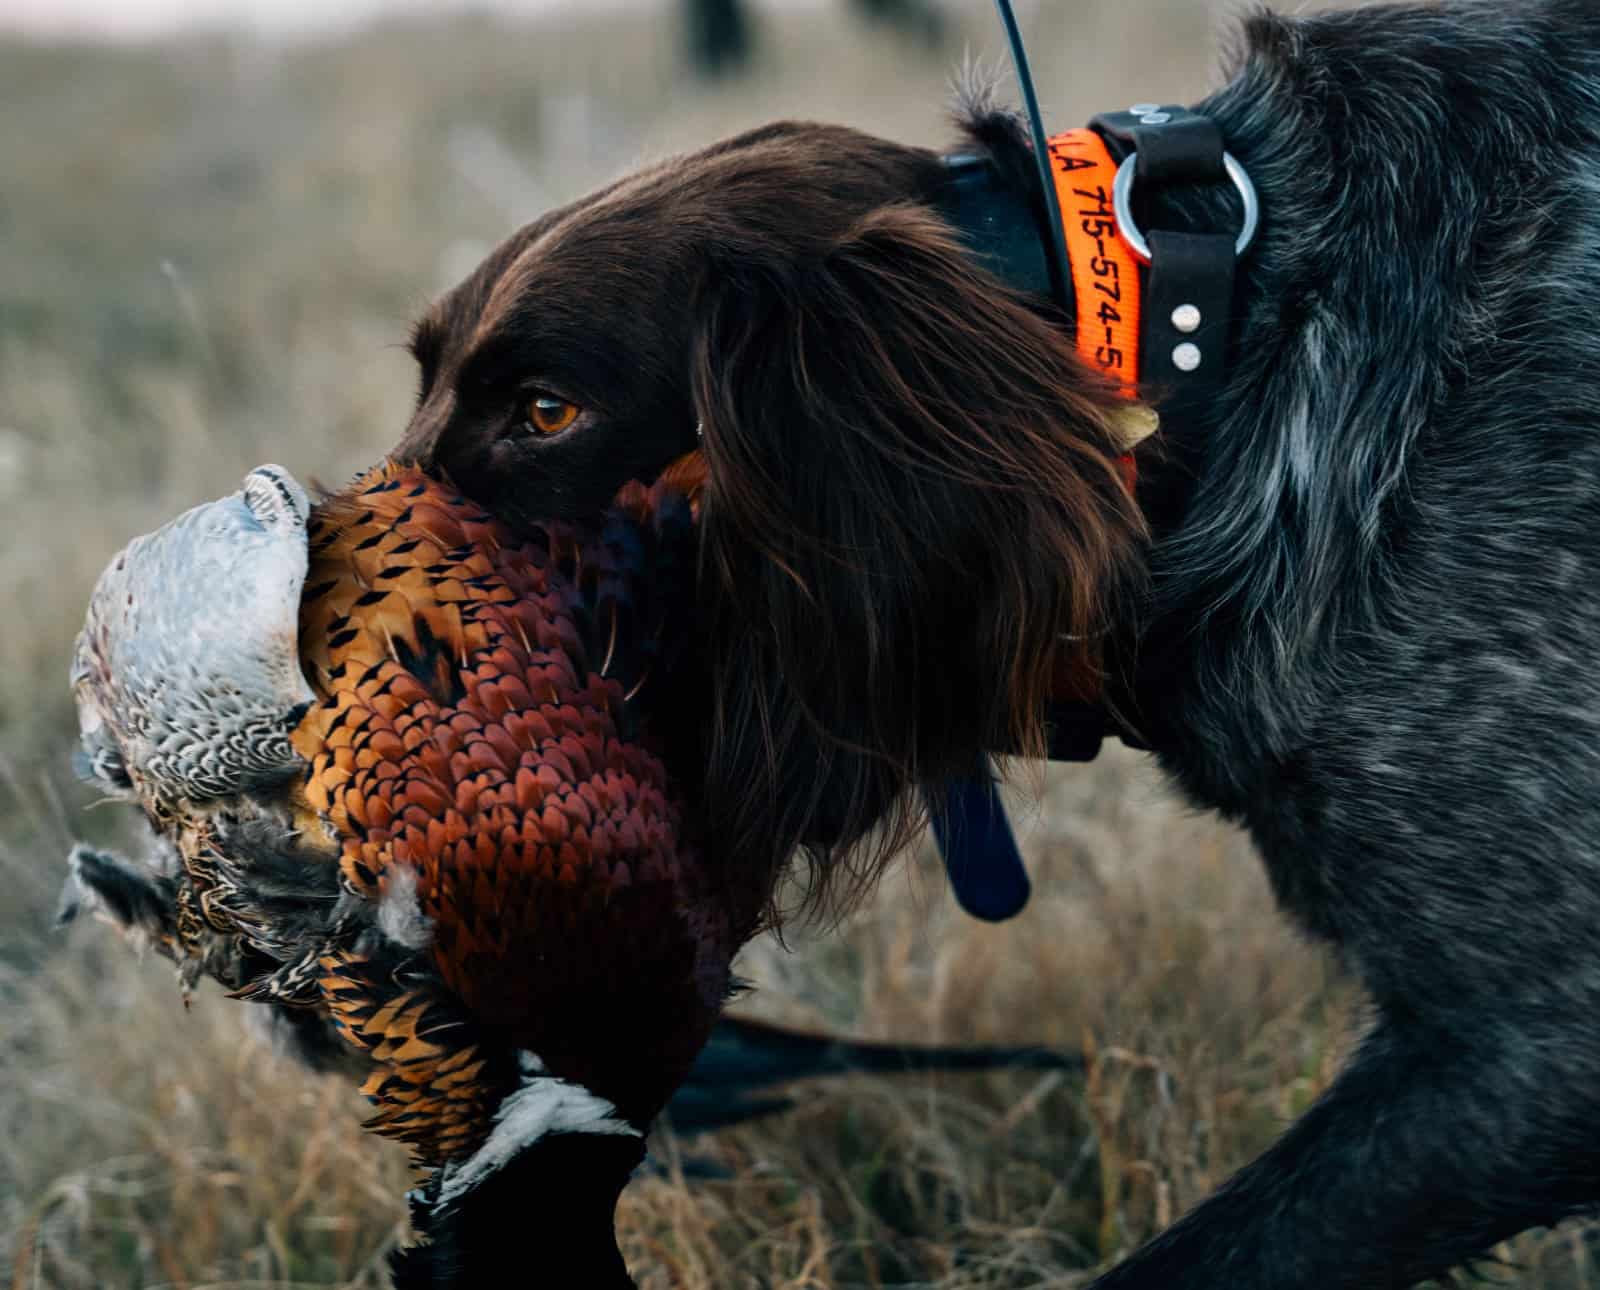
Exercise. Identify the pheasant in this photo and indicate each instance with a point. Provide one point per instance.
(416, 783)
(421, 787)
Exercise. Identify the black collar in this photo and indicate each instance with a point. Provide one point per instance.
(1186, 303)
(1187, 277)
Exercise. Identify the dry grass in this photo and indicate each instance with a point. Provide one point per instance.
(210, 251)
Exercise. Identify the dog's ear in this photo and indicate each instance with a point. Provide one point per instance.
(914, 520)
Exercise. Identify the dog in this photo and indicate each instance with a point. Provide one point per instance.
(1362, 622)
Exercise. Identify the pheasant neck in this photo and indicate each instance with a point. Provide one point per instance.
(547, 1218)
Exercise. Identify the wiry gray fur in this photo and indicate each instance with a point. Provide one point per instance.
(1376, 632)
(187, 671)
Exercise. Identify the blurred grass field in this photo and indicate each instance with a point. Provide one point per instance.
(209, 251)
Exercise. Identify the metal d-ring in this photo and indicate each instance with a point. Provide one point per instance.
(1122, 204)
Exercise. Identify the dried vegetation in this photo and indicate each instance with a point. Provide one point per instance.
(210, 252)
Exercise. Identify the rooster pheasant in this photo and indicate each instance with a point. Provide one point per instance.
(413, 786)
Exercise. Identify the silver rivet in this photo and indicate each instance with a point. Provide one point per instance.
(1144, 109)
(1186, 318)
(1155, 118)
(1186, 357)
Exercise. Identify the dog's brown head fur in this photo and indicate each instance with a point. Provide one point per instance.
(912, 522)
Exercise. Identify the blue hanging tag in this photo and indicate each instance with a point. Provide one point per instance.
(979, 849)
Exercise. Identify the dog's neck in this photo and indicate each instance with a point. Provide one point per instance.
(1003, 224)
(1157, 335)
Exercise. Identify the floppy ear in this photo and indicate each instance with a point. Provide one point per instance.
(913, 520)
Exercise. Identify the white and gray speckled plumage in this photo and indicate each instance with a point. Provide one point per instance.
(187, 671)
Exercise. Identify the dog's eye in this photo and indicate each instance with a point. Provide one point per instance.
(548, 414)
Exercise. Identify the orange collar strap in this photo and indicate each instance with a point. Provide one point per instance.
(1105, 275)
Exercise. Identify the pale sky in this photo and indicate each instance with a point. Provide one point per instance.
(140, 18)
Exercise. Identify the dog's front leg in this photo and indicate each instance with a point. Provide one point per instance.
(1426, 1151)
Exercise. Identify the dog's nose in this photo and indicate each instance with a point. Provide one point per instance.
(419, 445)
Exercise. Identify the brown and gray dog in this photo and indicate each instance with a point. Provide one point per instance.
(1364, 621)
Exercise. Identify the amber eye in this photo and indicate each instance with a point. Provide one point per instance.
(548, 414)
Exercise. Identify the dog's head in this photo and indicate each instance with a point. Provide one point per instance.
(913, 522)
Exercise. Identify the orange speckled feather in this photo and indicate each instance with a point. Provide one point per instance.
(499, 743)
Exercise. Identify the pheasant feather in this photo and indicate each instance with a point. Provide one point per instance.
(401, 765)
